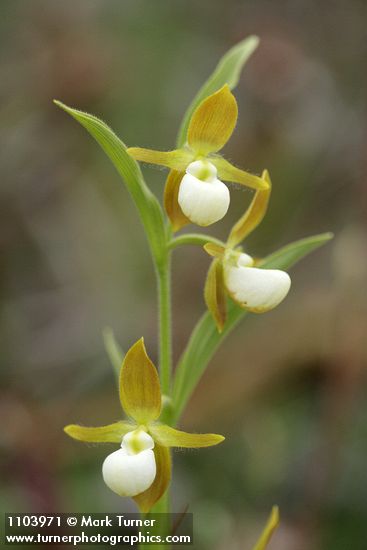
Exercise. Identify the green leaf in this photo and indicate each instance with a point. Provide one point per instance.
(292, 253)
(206, 339)
(227, 71)
(113, 349)
(146, 203)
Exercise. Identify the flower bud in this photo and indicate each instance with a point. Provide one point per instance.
(255, 289)
(203, 198)
(132, 469)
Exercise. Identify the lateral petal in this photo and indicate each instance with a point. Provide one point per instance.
(140, 391)
(170, 437)
(178, 159)
(112, 433)
(213, 122)
(214, 293)
(148, 498)
(228, 172)
(173, 209)
(253, 215)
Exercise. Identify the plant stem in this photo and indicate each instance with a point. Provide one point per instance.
(165, 360)
(163, 507)
(163, 528)
(165, 330)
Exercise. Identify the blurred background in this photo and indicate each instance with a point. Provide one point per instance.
(288, 389)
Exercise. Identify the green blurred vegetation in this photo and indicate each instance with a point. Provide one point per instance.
(287, 388)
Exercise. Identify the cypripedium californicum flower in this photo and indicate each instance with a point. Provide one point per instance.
(141, 467)
(235, 273)
(194, 189)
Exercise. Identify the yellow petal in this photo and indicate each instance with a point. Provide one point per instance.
(228, 172)
(176, 160)
(169, 437)
(213, 122)
(270, 527)
(173, 209)
(140, 392)
(214, 293)
(214, 250)
(112, 433)
(253, 215)
(146, 500)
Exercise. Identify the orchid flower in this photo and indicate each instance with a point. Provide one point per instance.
(141, 467)
(194, 189)
(240, 276)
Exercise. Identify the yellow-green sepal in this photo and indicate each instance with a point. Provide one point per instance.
(253, 215)
(178, 159)
(228, 172)
(213, 122)
(173, 209)
(112, 433)
(214, 293)
(170, 437)
(140, 392)
(270, 527)
(148, 498)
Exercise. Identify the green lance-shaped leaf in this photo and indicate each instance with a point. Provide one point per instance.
(290, 254)
(205, 338)
(147, 204)
(227, 71)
